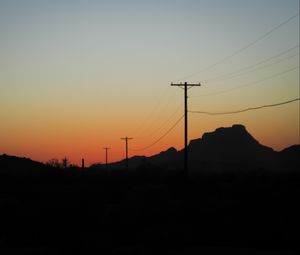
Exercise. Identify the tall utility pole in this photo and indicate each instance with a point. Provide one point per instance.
(186, 86)
(106, 150)
(126, 143)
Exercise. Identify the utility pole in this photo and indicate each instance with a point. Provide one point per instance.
(106, 150)
(126, 143)
(82, 164)
(186, 86)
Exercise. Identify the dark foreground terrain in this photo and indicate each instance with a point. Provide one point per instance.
(60, 211)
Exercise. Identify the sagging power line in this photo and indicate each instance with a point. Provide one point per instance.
(260, 38)
(247, 109)
(248, 84)
(161, 104)
(161, 137)
(254, 67)
(166, 121)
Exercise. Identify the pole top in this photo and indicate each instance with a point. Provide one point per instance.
(126, 138)
(185, 84)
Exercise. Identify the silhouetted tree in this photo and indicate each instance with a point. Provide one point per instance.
(54, 163)
(65, 162)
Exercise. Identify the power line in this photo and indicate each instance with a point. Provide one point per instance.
(140, 127)
(260, 38)
(161, 104)
(249, 84)
(240, 71)
(166, 121)
(247, 109)
(152, 113)
(160, 138)
(260, 67)
(164, 108)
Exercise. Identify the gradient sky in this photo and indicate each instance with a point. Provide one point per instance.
(76, 76)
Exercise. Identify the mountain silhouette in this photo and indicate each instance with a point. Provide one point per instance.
(291, 156)
(230, 147)
(19, 166)
(223, 149)
(292, 152)
(231, 143)
(159, 159)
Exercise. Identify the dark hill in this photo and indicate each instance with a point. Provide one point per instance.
(290, 157)
(223, 149)
(228, 144)
(160, 159)
(292, 152)
(19, 166)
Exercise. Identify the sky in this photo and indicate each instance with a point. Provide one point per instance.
(76, 76)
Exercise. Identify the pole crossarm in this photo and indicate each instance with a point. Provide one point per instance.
(186, 84)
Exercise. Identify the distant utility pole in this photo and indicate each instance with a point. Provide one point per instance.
(126, 143)
(106, 150)
(186, 86)
(82, 164)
